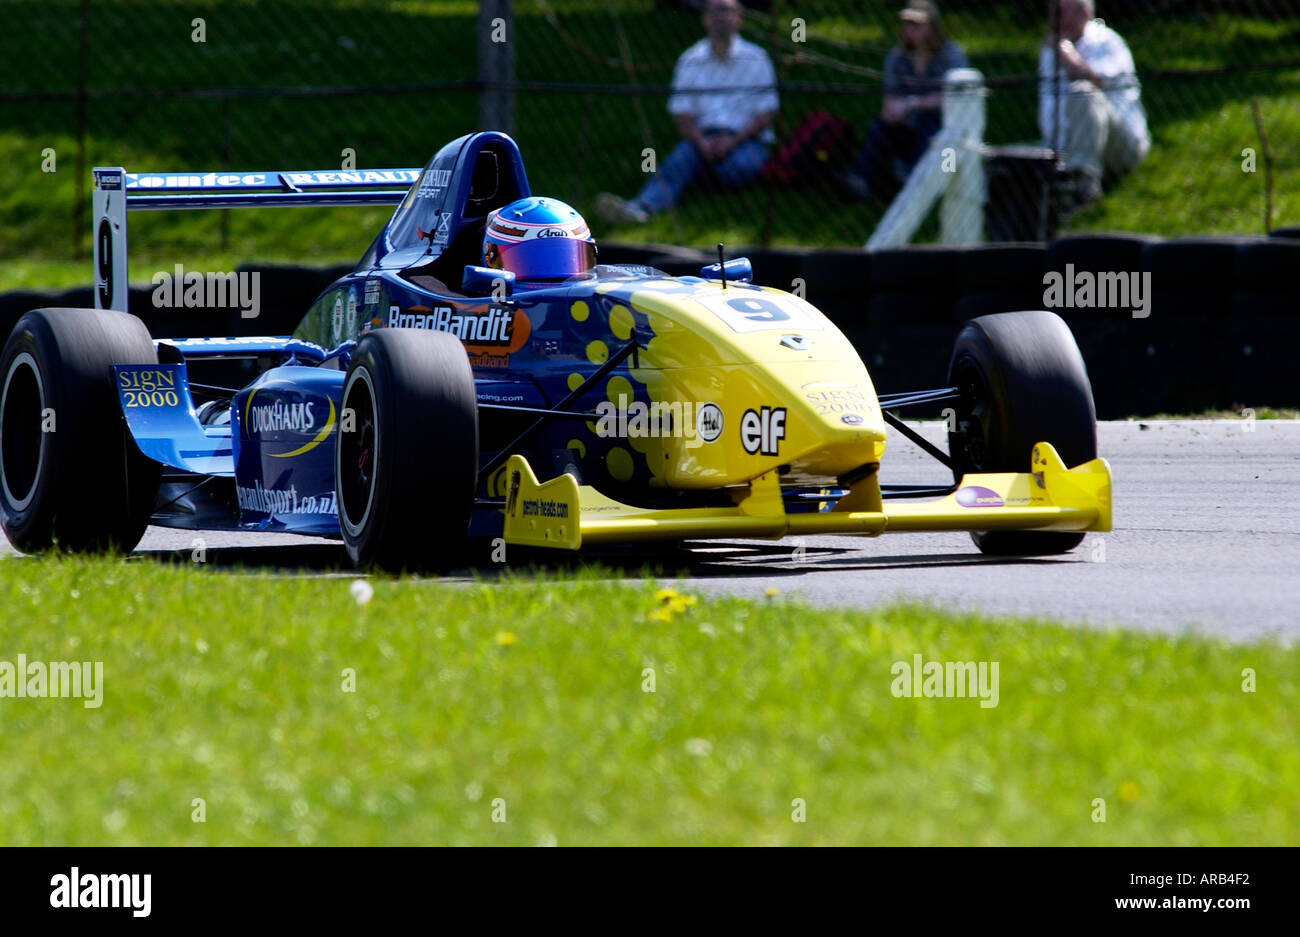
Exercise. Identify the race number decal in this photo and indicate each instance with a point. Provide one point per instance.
(755, 311)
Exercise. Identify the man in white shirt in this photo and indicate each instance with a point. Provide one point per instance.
(723, 101)
(1092, 110)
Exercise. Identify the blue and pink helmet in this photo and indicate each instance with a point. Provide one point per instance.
(539, 240)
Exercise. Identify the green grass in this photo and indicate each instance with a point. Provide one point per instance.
(575, 144)
(228, 687)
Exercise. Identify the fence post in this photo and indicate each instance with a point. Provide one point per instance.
(496, 66)
(79, 175)
(961, 214)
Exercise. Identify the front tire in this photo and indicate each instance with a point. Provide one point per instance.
(1022, 381)
(70, 474)
(406, 459)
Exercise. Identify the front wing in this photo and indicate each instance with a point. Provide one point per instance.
(562, 514)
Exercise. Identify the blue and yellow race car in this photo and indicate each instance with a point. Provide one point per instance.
(481, 374)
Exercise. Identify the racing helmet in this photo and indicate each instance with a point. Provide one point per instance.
(538, 239)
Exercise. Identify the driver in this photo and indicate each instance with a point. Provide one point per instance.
(540, 240)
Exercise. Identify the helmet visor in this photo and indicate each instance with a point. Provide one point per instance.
(553, 258)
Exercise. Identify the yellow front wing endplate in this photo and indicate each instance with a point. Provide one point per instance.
(563, 514)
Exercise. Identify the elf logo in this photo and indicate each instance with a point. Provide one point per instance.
(762, 431)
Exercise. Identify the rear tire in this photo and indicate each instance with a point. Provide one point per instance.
(406, 462)
(70, 474)
(1022, 381)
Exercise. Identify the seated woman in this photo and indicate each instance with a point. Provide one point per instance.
(910, 115)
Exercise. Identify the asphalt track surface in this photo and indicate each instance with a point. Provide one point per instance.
(1206, 539)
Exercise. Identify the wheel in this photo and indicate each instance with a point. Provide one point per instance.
(71, 477)
(406, 462)
(1022, 381)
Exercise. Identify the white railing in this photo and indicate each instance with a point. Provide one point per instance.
(952, 168)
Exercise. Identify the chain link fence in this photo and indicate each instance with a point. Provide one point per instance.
(584, 86)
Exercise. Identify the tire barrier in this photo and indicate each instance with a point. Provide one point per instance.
(1217, 326)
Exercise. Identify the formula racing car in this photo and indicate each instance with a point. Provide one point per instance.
(480, 374)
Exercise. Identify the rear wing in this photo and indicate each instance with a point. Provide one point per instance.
(118, 192)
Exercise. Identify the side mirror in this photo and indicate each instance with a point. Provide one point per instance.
(484, 281)
(739, 270)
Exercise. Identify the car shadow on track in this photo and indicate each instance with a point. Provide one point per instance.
(696, 560)
(319, 558)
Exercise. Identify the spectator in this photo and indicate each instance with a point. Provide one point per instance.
(723, 101)
(1098, 122)
(911, 112)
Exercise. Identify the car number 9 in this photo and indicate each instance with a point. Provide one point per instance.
(757, 311)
